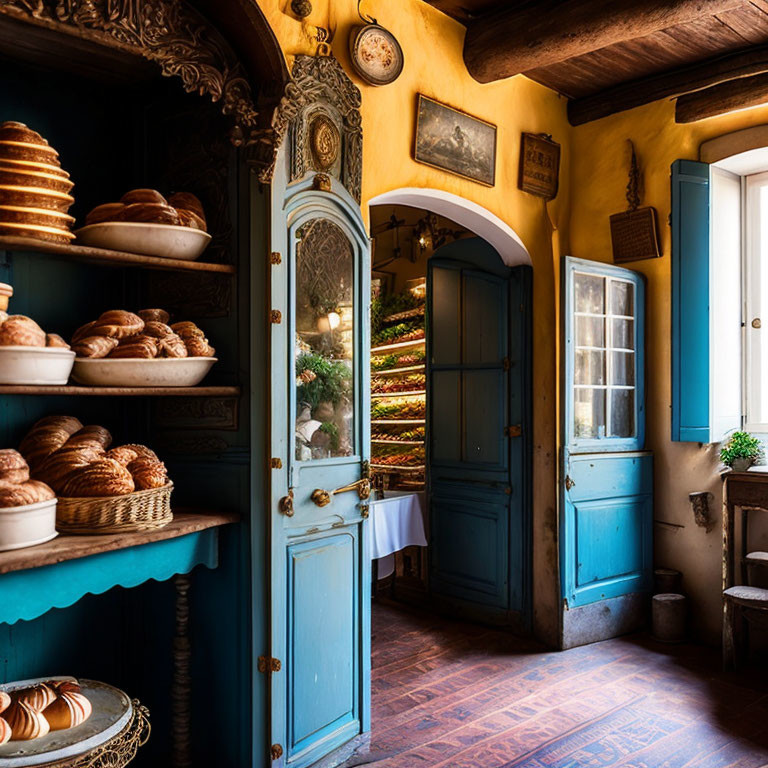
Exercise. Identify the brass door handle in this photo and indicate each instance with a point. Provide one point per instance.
(323, 498)
(286, 504)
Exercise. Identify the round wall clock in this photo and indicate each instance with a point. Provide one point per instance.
(376, 55)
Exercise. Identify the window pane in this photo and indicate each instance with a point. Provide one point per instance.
(324, 342)
(590, 332)
(622, 412)
(623, 368)
(622, 298)
(590, 293)
(589, 413)
(590, 367)
(622, 334)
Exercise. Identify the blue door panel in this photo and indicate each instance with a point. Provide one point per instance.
(485, 408)
(605, 476)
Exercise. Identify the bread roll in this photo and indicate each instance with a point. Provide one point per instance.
(172, 346)
(13, 468)
(156, 315)
(151, 213)
(5, 731)
(142, 450)
(188, 202)
(37, 696)
(143, 196)
(25, 722)
(94, 347)
(199, 348)
(144, 347)
(54, 340)
(190, 219)
(21, 331)
(117, 323)
(67, 710)
(187, 330)
(157, 330)
(123, 454)
(104, 477)
(83, 332)
(46, 436)
(105, 212)
(148, 473)
(93, 434)
(5, 701)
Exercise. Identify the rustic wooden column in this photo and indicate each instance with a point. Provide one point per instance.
(182, 677)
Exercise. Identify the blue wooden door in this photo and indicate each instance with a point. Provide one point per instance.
(606, 520)
(319, 575)
(475, 428)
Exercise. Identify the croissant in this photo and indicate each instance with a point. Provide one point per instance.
(143, 196)
(31, 492)
(144, 347)
(157, 329)
(191, 219)
(5, 731)
(59, 466)
(105, 212)
(188, 202)
(154, 315)
(199, 348)
(21, 331)
(46, 436)
(123, 454)
(148, 473)
(94, 346)
(69, 709)
(187, 330)
(104, 477)
(54, 340)
(142, 450)
(118, 323)
(172, 346)
(37, 697)
(5, 701)
(91, 435)
(152, 213)
(25, 722)
(13, 468)
(83, 332)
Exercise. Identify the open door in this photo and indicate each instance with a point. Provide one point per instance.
(320, 393)
(606, 555)
(477, 309)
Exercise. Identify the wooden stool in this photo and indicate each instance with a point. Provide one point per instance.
(741, 605)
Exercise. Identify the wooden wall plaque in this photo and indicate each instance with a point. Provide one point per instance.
(634, 235)
(539, 165)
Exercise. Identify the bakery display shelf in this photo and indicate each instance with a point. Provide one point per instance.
(29, 389)
(398, 442)
(60, 572)
(107, 257)
(408, 313)
(396, 371)
(398, 421)
(395, 468)
(409, 393)
(399, 345)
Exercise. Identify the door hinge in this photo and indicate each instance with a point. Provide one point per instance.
(269, 664)
(276, 463)
(514, 431)
(568, 483)
(275, 317)
(275, 257)
(506, 363)
(276, 751)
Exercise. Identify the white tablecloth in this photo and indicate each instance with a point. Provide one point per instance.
(396, 523)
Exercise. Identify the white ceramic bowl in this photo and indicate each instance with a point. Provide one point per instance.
(28, 525)
(163, 240)
(35, 365)
(132, 372)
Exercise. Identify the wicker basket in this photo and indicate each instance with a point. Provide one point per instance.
(138, 511)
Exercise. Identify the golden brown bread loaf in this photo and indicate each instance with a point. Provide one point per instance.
(157, 329)
(68, 709)
(46, 436)
(123, 454)
(142, 450)
(105, 212)
(104, 477)
(148, 473)
(31, 492)
(143, 196)
(95, 347)
(21, 331)
(154, 315)
(117, 323)
(141, 346)
(13, 468)
(150, 213)
(54, 340)
(61, 465)
(93, 434)
(25, 722)
(172, 346)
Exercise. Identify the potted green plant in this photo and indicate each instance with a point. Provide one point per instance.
(741, 451)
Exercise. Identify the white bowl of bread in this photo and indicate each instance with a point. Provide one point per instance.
(123, 349)
(29, 355)
(27, 507)
(145, 222)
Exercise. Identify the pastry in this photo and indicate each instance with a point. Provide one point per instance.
(94, 346)
(69, 708)
(172, 346)
(91, 435)
(144, 347)
(3, 316)
(64, 686)
(199, 348)
(31, 492)
(46, 436)
(187, 330)
(25, 722)
(59, 466)
(54, 340)
(5, 731)
(150, 213)
(5, 701)
(83, 332)
(123, 454)
(143, 196)
(142, 450)
(190, 219)
(148, 473)
(157, 315)
(104, 477)
(105, 212)
(117, 323)
(186, 201)
(16, 176)
(21, 331)
(13, 468)
(11, 130)
(157, 329)
(38, 696)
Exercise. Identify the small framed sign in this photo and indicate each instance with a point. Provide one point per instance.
(539, 165)
(634, 235)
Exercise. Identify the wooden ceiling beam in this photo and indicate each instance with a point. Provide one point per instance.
(723, 98)
(534, 35)
(703, 74)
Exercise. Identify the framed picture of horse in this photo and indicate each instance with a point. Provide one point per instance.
(454, 141)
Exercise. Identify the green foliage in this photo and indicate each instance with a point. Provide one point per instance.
(330, 429)
(332, 380)
(741, 445)
(384, 306)
(393, 332)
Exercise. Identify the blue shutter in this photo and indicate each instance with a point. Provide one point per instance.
(690, 301)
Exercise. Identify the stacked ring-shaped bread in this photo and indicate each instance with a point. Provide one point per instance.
(34, 189)
(16, 487)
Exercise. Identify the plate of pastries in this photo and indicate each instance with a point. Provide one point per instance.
(143, 349)
(29, 355)
(49, 721)
(34, 189)
(144, 221)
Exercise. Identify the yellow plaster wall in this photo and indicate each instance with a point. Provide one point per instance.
(599, 166)
(432, 45)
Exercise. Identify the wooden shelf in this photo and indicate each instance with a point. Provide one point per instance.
(109, 258)
(408, 313)
(8, 389)
(393, 468)
(411, 393)
(399, 345)
(398, 421)
(398, 442)
(396, 371)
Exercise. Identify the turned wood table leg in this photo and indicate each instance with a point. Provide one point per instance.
(182, 677)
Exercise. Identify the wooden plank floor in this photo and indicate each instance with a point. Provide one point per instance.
(452, 695)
